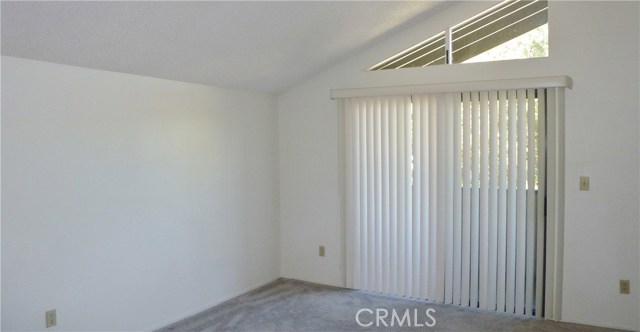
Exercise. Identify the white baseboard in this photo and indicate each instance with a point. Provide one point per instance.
(608, 326)
(213, 304)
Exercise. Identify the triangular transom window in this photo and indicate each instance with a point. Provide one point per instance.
(514, 29)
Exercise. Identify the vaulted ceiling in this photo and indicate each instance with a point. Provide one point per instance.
(259, 46)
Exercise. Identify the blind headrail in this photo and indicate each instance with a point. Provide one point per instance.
(505, 84)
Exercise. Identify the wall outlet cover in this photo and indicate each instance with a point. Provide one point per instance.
(584, 183)
(50, 318)
(624, 287)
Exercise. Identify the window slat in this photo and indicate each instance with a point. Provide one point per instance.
(498, 25)
(428, 51)
(496, 13)
(498, 33)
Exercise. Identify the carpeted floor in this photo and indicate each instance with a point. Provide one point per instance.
(291, 305)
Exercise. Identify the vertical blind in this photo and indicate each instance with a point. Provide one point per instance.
(445, 197)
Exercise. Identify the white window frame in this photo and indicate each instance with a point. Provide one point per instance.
(556, 86)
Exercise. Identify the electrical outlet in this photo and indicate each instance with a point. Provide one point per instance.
(50, 318)
(321, 251)
(624, 287)
(584, 183)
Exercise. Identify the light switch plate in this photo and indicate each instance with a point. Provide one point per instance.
(321, 251)
(584, 183)
(624, 287)
(50, 318)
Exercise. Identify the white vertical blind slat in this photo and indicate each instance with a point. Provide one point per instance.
(424, 199)
(466, 198)
(475, 199)
(377, 229)
(402, 200)
(521, 206)
(393, 196)
(484, 200)
(439, 174)
(371, 262)
(493, 201)
(408, 191)
(457, 199)
(553, 206)
(385, 196)
(531, 197)
(433, 288)
(364, 192)
(502, 204)
(511, 201)
(418, 133)
(449, 192)
(540, 221)
(352, 195)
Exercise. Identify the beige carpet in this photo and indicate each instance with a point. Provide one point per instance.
(291, 305)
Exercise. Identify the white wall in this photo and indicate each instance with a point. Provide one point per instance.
(129, 202)
(597, 45)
